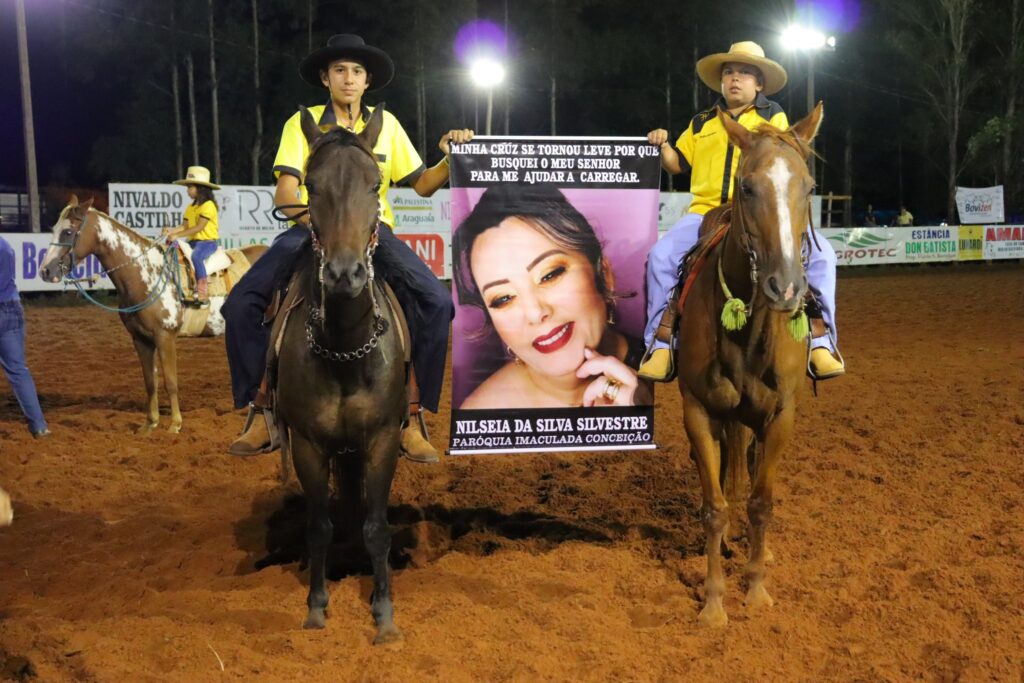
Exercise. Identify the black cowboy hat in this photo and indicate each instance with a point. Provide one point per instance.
(376, 61)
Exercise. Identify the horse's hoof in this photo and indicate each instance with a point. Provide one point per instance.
(146, 428)
(174, 429)
(388, 634)
(757, 597)
(316, 618)
(713, 616)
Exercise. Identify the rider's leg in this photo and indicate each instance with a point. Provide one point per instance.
(246, 337)
(429, 310)
(825, 360)
(202, 250)
(662, 278)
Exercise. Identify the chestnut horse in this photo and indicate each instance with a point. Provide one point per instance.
(341, 380)
(141, 272)
(736, 382)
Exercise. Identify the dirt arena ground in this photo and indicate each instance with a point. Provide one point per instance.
(898, 535)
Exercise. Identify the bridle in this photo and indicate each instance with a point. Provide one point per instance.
(735, 311)
(317, 313)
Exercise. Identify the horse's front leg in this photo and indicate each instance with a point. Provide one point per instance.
(146, 351)
(167, 347)
(379, 471)
(6, 511)
(314, 473)
(759, 507)
(706, 455)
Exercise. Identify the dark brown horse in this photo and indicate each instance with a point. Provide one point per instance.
(743, 381)
(148, 303)
(341, 379)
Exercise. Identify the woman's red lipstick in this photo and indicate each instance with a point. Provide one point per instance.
(555, 339)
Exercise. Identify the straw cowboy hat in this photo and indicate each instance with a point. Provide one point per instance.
(197, 175)
(376, 61)
(747, 52)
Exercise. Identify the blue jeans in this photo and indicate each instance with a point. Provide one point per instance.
(201, 250)
(426, 302)
(12, 360)
(663, 275)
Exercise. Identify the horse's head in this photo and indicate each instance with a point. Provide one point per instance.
(771, 200)
(343, 181)
(71, 241)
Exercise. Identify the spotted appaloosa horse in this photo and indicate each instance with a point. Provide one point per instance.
(147, 300)
(341, 380)
(744, 381)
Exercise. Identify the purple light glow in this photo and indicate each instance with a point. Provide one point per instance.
(480, 39)
(830, 16)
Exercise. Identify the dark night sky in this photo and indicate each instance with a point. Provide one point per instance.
(857, 82)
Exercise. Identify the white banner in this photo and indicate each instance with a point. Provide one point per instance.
(980, 204)
(873, 246)
(1004, 241)
(29, 250)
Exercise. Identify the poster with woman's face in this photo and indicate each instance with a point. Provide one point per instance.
(550, 241)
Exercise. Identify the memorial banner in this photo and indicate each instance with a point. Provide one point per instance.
(549, 241)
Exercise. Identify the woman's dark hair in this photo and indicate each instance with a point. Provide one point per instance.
(203, 195)
(544, 208)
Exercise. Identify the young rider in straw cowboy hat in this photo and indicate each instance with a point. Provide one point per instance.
(199, 224)
(744, 77)
(347, 68)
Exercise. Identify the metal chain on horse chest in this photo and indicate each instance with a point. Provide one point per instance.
(317, 313)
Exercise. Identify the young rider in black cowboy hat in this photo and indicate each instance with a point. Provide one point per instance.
(348, 68)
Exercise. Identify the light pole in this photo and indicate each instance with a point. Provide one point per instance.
(810, 41)
(487, 73)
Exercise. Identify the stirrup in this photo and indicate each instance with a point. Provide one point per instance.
(271, 423)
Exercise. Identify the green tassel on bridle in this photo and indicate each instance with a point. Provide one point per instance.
(735, 312)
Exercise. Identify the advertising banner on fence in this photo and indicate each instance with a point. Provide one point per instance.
(29, 249)
(1004, 241)
(972, 243)
(875, 246)
(549, 241)
(980, 204)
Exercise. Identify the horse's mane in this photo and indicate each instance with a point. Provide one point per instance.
(67, 210)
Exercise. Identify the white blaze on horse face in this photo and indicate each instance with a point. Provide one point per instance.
(149, 267)
(52, 251)
(780, 175)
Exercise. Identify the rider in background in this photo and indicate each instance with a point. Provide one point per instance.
(744, 77)
(347, 68)
(12, 345)
(199, 224)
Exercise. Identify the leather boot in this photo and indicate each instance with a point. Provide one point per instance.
(414, 444)
(259, 434)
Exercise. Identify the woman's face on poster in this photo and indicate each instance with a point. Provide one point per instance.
(541, 297)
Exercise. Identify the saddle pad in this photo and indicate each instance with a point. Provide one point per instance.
(217, 261)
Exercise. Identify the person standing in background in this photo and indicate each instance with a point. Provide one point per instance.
(12, 345)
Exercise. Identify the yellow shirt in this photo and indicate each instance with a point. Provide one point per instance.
(705, 147)
(207, 210)
(397, 157)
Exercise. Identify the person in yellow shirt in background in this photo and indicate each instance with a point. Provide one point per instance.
(904, 218)
(744, 77)
(199, 226)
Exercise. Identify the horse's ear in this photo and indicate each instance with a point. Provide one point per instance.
(738, 135)
(807, 128)
(373, 126)
(87, 204)
(309, 127)
(73, 202)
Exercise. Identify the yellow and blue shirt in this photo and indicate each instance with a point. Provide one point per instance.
(207, 210)
(705, 149)
(398, 159)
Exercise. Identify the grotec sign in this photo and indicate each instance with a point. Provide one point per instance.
(424, 223)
